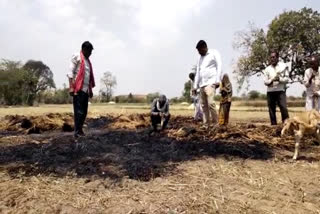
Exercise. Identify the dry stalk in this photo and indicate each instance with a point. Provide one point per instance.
(130, 211)
(222, 195)
(216, 204)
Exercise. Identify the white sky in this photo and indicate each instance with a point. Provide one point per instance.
(149, 45)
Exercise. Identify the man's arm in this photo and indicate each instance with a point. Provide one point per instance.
(228, 88)
(71, 86)
(166, 111)
(191, 89)
(196, 78)
(307, 80)
(154, 107)
(73, 72)
(267, 80)
(284, 78)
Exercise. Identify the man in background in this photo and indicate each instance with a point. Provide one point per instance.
(312, 82)
(276, 78)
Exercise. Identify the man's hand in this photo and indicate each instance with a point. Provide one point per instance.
(276, 78)
(194, 92)
(71, 87)
(155, 113)
(315, 94)
(71, 91)
(311, 78)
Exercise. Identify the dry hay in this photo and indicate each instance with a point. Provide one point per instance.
(180, 128)
(184, 128)
(37, 124)
(133, 121)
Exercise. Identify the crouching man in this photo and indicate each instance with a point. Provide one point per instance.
(159, 112)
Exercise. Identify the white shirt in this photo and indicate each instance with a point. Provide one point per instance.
(75, 67)
(208, 69)
(314, 86)
(281, 70)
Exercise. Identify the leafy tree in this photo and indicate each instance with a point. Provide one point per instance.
(253, 95)
(38, 77)
(295, 34)
(108, 84)
(11, 82)
(263, 96)
(58, 96)
(130, 98)
(186, 91)
(20, 84)
(9, 65)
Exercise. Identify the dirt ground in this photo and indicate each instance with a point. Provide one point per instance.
(119, 167)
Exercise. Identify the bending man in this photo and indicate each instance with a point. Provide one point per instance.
(159, 112)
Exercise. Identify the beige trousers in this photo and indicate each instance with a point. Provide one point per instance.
(208, 104)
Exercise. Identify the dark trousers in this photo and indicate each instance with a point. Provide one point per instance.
(156, 119)
(80, 109)
(277, 98)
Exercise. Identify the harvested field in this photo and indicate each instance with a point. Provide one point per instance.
(120, 168)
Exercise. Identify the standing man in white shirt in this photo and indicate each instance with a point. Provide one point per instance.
(276, 78)
(207, 78)
(312, 82)
(81, 82)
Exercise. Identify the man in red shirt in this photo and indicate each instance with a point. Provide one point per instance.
(81, 82)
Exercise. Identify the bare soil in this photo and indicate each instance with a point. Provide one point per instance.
(119, 167)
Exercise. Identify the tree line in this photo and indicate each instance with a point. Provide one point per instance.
(25, 84)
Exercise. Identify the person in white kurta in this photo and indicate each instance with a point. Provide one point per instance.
(312, 82)
(207, 79)
(276, 78)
